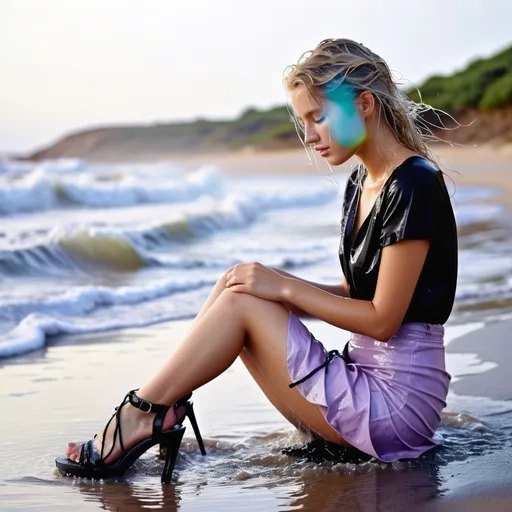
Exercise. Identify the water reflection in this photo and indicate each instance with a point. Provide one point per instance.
(314, 488)
(385, 489)
(132, 497)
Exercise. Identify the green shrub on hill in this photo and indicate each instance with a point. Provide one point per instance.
(255, 127)
(498, 94)
(484, 84)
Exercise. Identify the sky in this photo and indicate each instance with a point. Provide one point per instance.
(73, 64)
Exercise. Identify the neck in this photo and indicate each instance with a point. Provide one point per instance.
(381, 154)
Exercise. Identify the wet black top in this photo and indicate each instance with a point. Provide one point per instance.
(413, 204)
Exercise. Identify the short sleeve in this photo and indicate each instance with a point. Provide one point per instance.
(407, 208)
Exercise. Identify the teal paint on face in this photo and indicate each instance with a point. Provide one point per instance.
(346, 126)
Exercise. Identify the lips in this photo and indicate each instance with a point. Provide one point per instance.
(322, 150)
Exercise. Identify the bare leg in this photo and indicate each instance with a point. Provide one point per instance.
(264, 381)
(73, 448)
(233, 321)
(238, 321)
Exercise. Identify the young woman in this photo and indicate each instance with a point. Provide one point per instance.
(384, 393)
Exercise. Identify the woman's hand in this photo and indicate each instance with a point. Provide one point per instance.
(258, 280)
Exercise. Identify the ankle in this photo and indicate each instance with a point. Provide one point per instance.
(144, 421)
(140, 417)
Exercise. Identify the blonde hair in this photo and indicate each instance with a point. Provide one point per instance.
(335, 61)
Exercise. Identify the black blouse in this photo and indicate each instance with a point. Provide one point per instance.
(413, 204)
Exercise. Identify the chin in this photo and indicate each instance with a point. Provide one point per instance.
(338, 159)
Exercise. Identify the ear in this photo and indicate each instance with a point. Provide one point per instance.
(366, 103)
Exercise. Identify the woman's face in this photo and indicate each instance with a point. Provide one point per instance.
(333, 126)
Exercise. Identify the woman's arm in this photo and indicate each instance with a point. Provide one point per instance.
(399, 271)
(340, 290)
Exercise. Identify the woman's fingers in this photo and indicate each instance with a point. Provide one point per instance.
(234, 275)
(242, 273)
(230, 274)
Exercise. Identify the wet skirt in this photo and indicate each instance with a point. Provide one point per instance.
(384, 398)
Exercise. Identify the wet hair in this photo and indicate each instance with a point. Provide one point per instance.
(336, 61)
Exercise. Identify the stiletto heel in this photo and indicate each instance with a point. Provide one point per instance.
(189, 412)
(91, 463)
(172, 445)
(192, 417)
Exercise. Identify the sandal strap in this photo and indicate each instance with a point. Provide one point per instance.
(159, 410)
(89, 457)
(158, 424)
(182, 401)
(145, 405)
(117, 431)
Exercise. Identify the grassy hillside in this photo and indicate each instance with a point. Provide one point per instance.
(485, 84)
(253, 128)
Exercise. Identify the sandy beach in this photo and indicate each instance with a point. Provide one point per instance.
(466, 165)
(66, 390)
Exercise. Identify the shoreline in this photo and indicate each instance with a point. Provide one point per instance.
(483, 165)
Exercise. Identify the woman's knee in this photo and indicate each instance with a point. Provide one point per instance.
(245, 304)
(236, 300)
(223, 278)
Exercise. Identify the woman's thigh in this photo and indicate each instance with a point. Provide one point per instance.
(265, 356)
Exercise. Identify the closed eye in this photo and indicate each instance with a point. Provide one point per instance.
(321, 120)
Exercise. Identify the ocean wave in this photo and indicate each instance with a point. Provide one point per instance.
(474, 293)
(82, 300)
(129, 190)
(44, 189)
(297, 256)
(13, 168)
(88, 309)
(477, 213)
(32, 332)
(137, 246)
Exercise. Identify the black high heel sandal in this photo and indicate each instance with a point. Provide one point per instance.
(91, 463)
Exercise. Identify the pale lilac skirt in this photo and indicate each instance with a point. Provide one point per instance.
(387, 400)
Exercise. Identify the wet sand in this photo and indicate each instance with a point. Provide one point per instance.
(67, 390)
(489, 345)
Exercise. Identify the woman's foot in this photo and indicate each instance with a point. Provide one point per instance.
(135, 426)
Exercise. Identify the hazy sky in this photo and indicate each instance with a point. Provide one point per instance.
(69, 64)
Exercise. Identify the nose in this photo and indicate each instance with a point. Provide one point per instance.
(311, 135)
